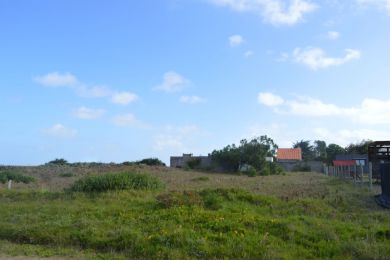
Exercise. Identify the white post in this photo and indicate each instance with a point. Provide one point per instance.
(362, 172)
(9, 184)
(370, 176)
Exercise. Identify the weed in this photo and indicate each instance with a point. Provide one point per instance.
(116, 181)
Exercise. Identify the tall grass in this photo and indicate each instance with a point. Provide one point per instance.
(116, 181)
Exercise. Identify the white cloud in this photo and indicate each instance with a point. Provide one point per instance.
(191, 99)
(176, 139)
(236, 40)
(123, 98)
(172, 82)
(333, 35)
(60, 131)
(94, 91)
(88, 113)
(369, 112)
(381, 4)
(56, 79)
(269, 99)
(345, 137)
(316, 58)
(248, 54)
(128, 120)
(277, 12)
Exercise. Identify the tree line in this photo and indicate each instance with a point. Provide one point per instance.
(320, 151)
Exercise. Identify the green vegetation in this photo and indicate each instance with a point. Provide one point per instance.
(341, 222)
(251, 153)
(66, 174)
(116, 181)
(194, 163)
(58, 162)
(151, 162)
(6, 176)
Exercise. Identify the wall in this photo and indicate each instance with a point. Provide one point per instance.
(315, 166)
(181, 161)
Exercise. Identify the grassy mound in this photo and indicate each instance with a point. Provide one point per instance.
(117, 181)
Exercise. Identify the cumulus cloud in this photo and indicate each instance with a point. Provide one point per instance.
(128, 120)
(60, 131)
(123, 98)
(333, 35)
(236, 40)
(269, 99)
(88, 113)
(191, 99)
(369, 112)
(277, 12)
(56, 79)
(316, 58)
(172, 82)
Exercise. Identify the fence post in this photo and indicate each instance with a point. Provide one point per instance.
(9, 184)
(370, 176)
(362, 172)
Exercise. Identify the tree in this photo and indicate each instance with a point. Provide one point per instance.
(58, 162)
(251, 152)
(307, 149)
(358, 148)
(320, 150)
(332, 150)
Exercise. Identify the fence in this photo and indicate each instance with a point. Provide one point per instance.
(355, 173)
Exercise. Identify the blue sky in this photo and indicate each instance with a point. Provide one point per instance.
(98, 80)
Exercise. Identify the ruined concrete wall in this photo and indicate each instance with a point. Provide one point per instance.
(181, 161)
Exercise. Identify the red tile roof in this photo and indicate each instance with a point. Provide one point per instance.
(289, 154)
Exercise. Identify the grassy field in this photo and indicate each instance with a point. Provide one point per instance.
(196, 215)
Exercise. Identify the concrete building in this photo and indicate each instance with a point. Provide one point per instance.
(182, 161)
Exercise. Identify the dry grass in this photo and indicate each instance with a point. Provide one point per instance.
(291, 185)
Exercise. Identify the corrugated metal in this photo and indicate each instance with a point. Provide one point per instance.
(344, 162)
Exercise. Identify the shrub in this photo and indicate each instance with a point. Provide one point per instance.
(151, 162)
(116, 181)
(250, 172)
(194, 163)
(16, 177)
(58, 162)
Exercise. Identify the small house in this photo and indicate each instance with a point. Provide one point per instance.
(289, 155)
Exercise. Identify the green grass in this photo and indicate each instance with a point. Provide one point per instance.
(341, 222)
(116, 181)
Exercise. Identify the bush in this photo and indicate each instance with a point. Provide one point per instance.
(16, 177)
(58, 162)
(250, 172)
(194, 163)
(116, 181)
(151, 162)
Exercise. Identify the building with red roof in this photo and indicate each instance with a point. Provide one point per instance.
(289, 154)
